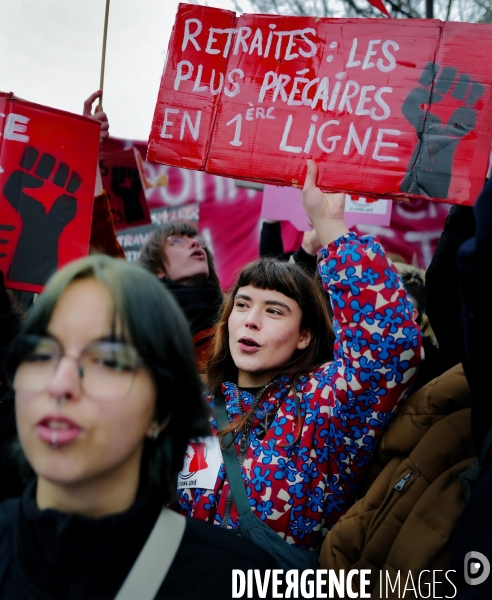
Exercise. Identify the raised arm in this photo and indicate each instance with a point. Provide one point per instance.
(378, 346)
(102, 118)
(271, 239)
(325, 211)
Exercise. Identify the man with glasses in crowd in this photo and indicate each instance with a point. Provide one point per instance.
(177, 255)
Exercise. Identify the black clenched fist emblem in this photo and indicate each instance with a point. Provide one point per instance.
(36, 253)
(429, 171)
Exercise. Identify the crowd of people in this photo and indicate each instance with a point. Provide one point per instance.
(158, 432)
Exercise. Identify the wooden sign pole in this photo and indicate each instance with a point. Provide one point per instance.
(103, 58)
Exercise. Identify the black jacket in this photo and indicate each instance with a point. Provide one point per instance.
(201, 304)
(47, 554)
(473, 531)
(443, 300)
(271, 245)
(10, 482)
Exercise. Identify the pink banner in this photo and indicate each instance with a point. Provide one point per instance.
(230, 216)
(284, 203)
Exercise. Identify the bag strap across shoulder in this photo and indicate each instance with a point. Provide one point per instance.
(155, 558)
(250, 526)
(233, 470)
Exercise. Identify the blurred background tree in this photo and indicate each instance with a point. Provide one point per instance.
(478, 11)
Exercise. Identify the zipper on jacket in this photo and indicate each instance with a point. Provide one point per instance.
(403, 482)
(243, 446)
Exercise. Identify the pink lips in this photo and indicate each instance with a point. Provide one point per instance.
(57, 430)
(248, 345)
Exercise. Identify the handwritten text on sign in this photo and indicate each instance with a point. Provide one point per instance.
(387, 108)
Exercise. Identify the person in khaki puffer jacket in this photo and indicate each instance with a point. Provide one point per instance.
(405, 520)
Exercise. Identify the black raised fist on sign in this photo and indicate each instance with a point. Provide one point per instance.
(429, 171)
(36, 253)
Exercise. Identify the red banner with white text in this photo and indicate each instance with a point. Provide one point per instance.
(389, 108)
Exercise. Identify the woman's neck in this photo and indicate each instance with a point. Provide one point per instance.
(102, 495)
(252, 380)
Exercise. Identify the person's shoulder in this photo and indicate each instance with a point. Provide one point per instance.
(319, 377)
(9, 510)
(207, 561)
(228, 549)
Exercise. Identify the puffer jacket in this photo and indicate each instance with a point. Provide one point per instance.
(308, 448)
(406, 519)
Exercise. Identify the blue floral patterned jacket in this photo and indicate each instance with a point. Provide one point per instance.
(301, 489)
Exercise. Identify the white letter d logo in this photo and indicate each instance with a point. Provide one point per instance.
(477, 568)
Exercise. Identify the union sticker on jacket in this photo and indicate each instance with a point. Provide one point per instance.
(202, 463)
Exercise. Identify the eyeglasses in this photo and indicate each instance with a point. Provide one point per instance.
(106, 368)
(179, 240)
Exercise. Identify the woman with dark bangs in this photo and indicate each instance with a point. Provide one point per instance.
(306, 401)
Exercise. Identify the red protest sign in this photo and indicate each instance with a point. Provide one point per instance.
(48, 161)
(388, 108)
(120, 173)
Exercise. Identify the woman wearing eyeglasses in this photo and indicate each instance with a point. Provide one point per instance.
(180, 258)
(100, 370)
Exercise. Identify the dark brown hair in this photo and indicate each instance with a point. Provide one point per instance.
(154, 324)
(292, 281)
(414, 281)
(153, 254)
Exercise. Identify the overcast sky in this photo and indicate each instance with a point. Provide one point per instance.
(50, 53)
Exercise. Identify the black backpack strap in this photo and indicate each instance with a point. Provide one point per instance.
(233, 469)
(470, 476)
